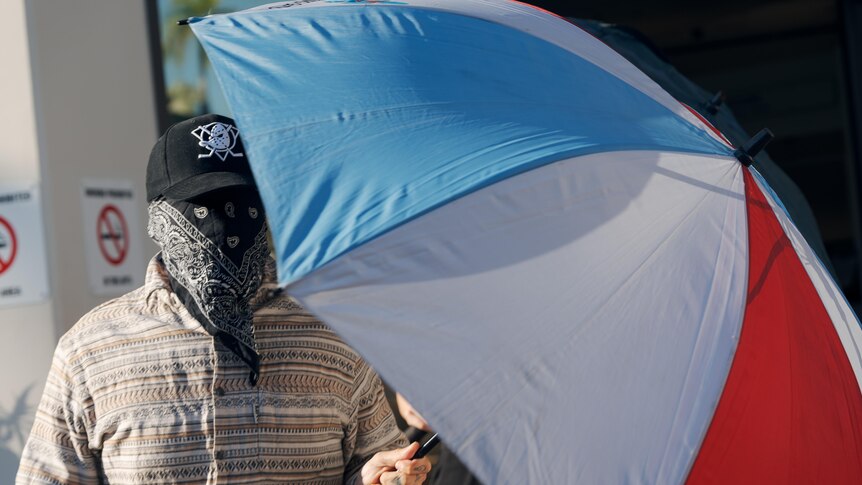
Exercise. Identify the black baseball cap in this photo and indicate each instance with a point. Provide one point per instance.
(197, 156)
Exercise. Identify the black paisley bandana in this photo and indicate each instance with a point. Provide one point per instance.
(214, 252)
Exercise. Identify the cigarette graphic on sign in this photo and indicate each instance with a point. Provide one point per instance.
(112, 235)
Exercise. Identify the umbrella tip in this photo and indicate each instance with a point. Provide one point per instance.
(183, 22)
(715, 103)
(752, 147)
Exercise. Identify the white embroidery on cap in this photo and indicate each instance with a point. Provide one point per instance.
(228, 209)
(252, 211)
(219, 138)
(232, 241)
(201, 212)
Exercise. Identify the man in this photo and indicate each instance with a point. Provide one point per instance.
(208, 374)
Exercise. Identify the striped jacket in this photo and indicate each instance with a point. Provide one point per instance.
(139, 393)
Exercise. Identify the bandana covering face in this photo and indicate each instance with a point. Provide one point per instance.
(214, 250)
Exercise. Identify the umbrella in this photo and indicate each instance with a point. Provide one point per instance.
(565, 270)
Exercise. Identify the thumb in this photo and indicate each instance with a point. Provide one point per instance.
(391, 457)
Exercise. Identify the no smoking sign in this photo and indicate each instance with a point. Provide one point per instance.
(23, 268)
(112, 234)
(8, 245)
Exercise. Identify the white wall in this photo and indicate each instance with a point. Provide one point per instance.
(96, 119)
(27, 333)
(78, 103)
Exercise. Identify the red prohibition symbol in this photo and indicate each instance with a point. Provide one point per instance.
(112, 234)
(8, 245)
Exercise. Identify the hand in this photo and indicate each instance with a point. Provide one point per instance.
(410, 415)
(394, 467)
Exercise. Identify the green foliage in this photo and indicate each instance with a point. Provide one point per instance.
(185, 99)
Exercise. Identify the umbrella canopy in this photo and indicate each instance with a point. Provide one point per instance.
(562, 267)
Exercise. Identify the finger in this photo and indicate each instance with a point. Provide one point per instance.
(396, 478)
(410, 414)
(392, 478)
(414, 467)
(373, 475)
(416, 421)
(390, 458)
